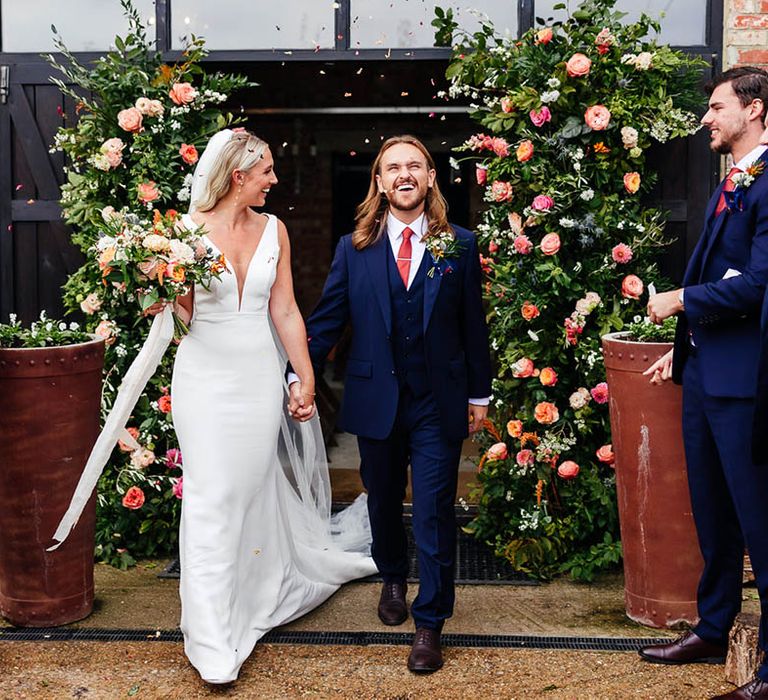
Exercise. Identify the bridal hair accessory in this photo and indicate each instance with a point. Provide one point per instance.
(207, 161)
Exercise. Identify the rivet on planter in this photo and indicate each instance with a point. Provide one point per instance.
(620, 355)
(645, 358)
(47, 360)
(632, 356)
(2, 364)
(31, 363)
(61, 360)
(17, 363)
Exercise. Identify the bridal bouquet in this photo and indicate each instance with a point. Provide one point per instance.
(150, 261)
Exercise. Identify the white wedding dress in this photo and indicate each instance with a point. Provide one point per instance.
(257, 547)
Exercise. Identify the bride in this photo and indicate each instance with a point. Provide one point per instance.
(258, 547)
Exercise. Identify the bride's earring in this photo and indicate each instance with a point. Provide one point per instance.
(239, 190)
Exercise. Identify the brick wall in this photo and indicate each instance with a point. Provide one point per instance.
(746, 33)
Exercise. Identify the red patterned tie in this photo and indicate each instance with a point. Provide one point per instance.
(729, 186)
(404, 256)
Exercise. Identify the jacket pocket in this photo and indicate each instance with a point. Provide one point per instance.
(359, 368)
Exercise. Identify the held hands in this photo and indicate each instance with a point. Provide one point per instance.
(664, 305)
(661, 370)
(477, 416)
(301, 404)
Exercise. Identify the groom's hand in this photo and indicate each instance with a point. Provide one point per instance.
(298, 406)
(477, 416)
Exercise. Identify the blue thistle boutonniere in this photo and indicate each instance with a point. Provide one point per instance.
(442, 247)
(742, 181)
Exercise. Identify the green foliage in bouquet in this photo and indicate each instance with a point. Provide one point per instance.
(133, 149)
(568, 113)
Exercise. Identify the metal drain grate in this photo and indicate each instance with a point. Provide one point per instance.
(476, 562)
(487, 641)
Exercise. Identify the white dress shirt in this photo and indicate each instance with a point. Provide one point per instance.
(750, 158)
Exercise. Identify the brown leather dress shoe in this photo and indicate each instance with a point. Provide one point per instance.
(687, 649)
(754, 690)
(425, 656)
(392, 607)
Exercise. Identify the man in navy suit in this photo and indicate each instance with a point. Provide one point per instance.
(715, 357)
(418, 375)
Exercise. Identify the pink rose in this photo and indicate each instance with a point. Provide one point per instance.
(550, 244)
(539, 117)
(544, 36)
(130, 120)
(600, 393)
(106, 329)
(568, 470)
(506, 105)
(154, 108)
(493, 247)
(481, 174)
(91, 304)
(522, 244)
(148, 192)
(182, 93)
(597, 117)
(188, 153)
(542, 202)
(178, 487)
(523, 368)
(524, 458)
(134, 498)
(497, 451)
(621, 253)
(631, 287)
(578, 65)
(501, 191)
(173, 458)
(500, 147)
(605, 454)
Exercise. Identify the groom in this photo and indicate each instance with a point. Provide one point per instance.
(418, 375)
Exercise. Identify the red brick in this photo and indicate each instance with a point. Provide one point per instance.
(742, 5)
(763, 7)
(750, 21)
(753, 56)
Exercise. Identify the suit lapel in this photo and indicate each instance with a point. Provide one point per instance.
(431, 288)
(375, 257)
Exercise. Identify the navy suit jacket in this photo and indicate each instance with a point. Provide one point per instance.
(455, 336)
(724, 314)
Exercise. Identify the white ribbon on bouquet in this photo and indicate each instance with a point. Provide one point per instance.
(136, 378)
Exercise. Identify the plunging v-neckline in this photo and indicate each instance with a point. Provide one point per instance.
(240, 290)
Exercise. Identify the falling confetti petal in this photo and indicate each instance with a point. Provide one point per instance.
(359, 70)
(404, 94)
(347, 94)
(19, 187)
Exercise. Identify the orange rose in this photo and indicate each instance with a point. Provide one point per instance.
(605, 454)
(632, 182)
(182, 93)
(188, 153)
(523, 368)
(515, 428)
(164, 404)
(134, 433)
(546, 413)
(597, 117)
(130, 120)
(525, 151)
(578, 65)
(501, 191)
(176, 272)
(548, 377)
(134, 498)
(148, 192)
(631, 287)
(544, 36)
(529, 311)
(600, 147)
(568, 470)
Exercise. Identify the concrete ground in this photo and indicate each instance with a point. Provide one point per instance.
(137, 599)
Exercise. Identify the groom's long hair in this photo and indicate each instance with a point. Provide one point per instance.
(371, 215)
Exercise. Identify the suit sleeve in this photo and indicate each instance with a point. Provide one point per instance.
(327, 322)
(734, 297)
(474, 328)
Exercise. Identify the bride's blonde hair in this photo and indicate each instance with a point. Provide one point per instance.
(241, 152)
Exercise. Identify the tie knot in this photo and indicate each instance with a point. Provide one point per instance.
(733, 171)
(407, 233)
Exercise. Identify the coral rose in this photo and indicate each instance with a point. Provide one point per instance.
(568, 470)
(605, 454)
(523, 368)
(515, 428)
(522, 244)
(544, 36)
(524, 151)
(178, 487)
(182, 93)
(164, 404)
(525, 458)
(539, 117)
(600, 393)
(578, 65)
(632, 182)
(546, 413)
(529, 311)
(148, 192)
(133, 498)
(542, 202)
(91, 304)
(130, 120)
(548, 377)
(507, 106)
(106, 330)
(125, 447)
(501, 191)
(497, 451)
(188, 153)
(631, 287)
(550, 244)
(621, 253)
(597, 117)
(481, 174)
(500, 147)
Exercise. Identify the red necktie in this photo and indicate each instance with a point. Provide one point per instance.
(404, 256)
(729, 186)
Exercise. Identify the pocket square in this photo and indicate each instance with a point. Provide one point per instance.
(730, 272)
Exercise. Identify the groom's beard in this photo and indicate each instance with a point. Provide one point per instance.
(407, 201)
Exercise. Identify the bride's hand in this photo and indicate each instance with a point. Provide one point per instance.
(156, 308)
(301, 404)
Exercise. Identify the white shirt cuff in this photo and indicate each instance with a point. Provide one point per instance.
(480, 402)
(292, 377)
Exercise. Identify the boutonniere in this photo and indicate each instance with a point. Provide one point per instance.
(741, 182)
(442, 247)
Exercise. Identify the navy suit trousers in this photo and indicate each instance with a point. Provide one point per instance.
(729, 495)
(434, 461)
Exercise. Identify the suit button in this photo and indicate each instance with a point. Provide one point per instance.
(393, 371)
(389, 337)
(409, 317)
(407, 337)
